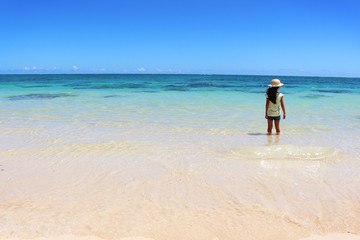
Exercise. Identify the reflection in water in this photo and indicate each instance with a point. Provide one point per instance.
(270, 140)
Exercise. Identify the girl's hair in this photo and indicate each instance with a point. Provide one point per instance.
(271, 92)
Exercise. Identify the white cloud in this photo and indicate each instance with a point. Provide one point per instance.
(39, 69)
(302, 70)
(169, 70)
(98, 69)
(75, 67)
(141, 69)
(55, 68)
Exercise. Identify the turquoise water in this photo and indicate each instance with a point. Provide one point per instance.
(177, 157)
(321, 111)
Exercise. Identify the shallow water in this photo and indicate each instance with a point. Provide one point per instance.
(177, 157)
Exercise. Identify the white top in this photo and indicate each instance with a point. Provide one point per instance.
(274, 109)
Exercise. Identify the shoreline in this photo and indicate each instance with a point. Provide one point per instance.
(127, 188)
(173, 158)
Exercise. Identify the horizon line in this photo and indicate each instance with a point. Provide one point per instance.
(215, 74)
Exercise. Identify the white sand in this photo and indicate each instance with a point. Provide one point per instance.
(120, 189)
(72, 237)
(334, 236)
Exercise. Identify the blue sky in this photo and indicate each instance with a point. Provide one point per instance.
(304, 37)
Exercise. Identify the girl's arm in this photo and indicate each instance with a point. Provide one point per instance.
(266, 108)
(283, 107)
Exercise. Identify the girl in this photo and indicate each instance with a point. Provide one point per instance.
(273, 101)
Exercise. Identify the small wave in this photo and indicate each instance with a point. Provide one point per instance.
(286, 152)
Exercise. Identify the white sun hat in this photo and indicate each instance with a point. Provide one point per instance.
(276, 83)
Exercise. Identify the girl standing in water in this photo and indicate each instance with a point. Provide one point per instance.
(273, 101)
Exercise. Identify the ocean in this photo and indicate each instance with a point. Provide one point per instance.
(177, 157)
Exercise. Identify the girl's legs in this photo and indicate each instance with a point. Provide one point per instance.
(277, 127)
(270, 125)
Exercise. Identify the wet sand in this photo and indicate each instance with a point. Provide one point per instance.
(117, 189)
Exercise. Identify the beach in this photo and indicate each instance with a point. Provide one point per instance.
(177, 157)
(345, 236)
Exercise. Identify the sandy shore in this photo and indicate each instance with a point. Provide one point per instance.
(73, 237)
(122, 189)
(333, 236)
